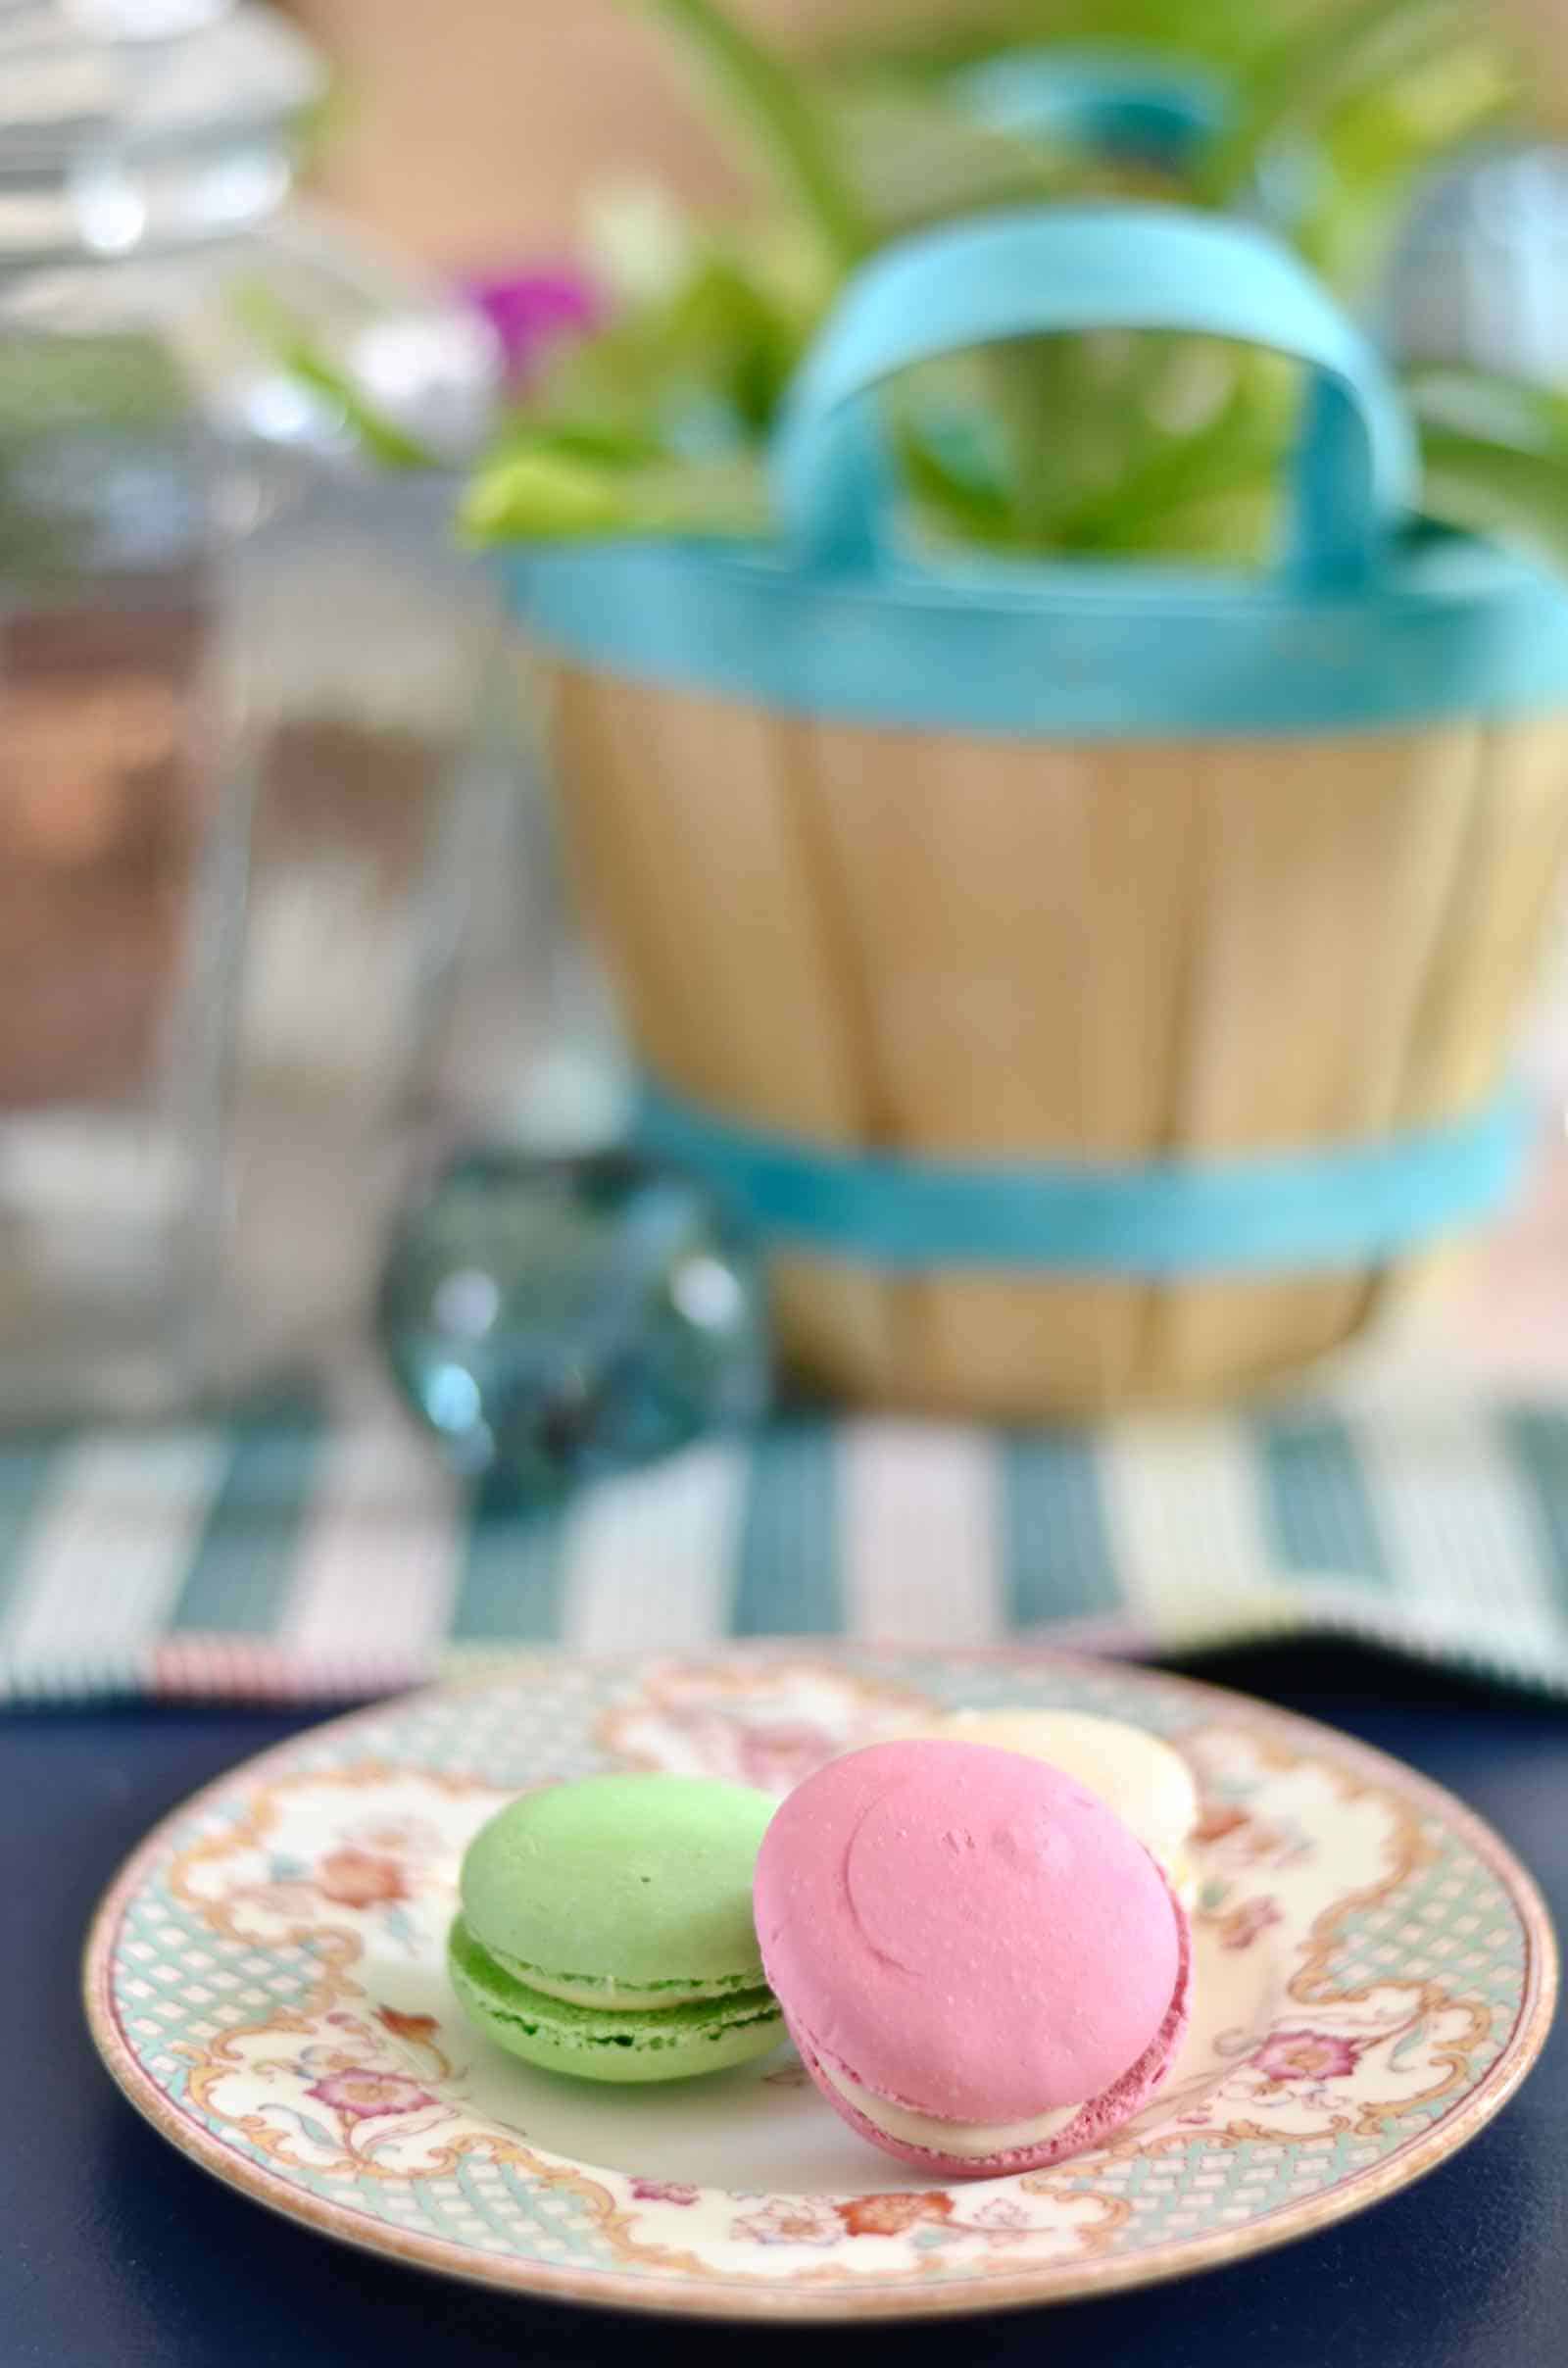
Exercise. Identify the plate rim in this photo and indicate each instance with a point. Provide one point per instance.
(875, 2299)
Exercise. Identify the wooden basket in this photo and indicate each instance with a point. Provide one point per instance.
(1185, 887)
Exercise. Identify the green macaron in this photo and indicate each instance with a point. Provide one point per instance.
(606, 1928)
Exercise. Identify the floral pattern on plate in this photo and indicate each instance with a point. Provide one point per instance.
(1374, 1975)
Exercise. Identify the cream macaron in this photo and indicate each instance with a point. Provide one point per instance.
(1148, 1785)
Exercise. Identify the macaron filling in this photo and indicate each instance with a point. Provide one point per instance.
(480, 1978)
(603, 1989)
(968, 2141)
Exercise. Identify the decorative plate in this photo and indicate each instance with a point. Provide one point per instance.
(1375, 1975)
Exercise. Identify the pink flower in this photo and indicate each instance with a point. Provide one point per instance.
(531, 311)
(355, 1878)
(791, 2220)
(1306, 2055)
(664, 2190)
(358, 2094)
(1240, 1928)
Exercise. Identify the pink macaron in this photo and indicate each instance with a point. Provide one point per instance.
(984, 1971)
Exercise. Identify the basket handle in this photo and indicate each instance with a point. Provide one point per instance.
(1109, 100)
(1076, 268)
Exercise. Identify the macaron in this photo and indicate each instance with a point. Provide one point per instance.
(983, 1969)
(606, 1928)
(1148, 1785)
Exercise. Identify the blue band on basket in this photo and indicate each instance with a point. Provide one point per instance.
(1452, 629)
(1354, 1205)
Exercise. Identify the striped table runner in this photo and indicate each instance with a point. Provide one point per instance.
(305, 1553)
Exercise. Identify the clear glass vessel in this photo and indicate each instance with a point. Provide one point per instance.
(243, 683)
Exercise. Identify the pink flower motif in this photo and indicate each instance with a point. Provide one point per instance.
(777, 1758)
(1001, 2220)
(1306, 2055)
(791, 2220)
(420, 2029)
(890, 2215)
(399, 1838)
(664, 2190)
(355, 1878)
(773, 1758)
(358, 2094)
(1240, 1928)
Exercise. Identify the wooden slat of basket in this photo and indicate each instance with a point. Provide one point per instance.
(680, 816)
(1500, 915)
(1018, 914)
(1328, 877)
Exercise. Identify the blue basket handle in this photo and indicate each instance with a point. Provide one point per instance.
(1111, 101)
(1104, 267)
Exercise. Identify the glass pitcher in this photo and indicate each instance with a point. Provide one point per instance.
(244, 775)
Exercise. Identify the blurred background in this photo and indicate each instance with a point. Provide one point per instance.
(312, 319)
(457, 135)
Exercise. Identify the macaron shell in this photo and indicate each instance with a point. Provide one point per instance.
(641, 1880)
(677, 2043)
(1100, 2119)
(965, 1930)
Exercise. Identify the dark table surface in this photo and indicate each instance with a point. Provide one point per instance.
(116, 2252)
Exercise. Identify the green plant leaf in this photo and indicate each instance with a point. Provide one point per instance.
(545, 492)
(916, 159)
(1352, 42)
(1372, 146)
(591, 441)
(783, 115)
(280, 333)
(1493, 489)
(1217, 31)
(1095, 443)
(1486, 406)
(704, 366)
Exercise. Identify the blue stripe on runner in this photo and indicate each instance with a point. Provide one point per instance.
(1057, 1563)
(1537, 1439)
(25, 1467)
(510, 1587)
(244, 1562)
(787, 1582)
(1317, 1505)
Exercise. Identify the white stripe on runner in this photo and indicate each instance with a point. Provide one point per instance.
(378, 1552)
(649, 1557)
(1185, 1513)
(920, 1533)
(109, 1543)
(1458, 1523)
